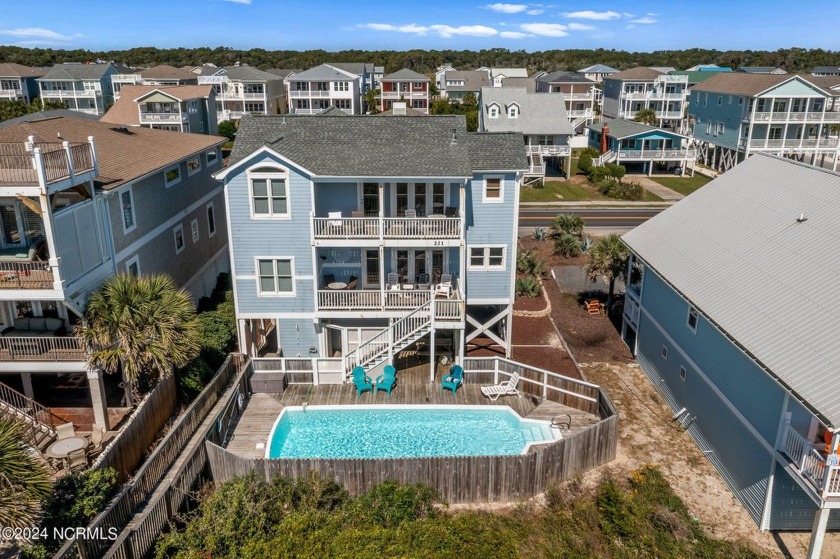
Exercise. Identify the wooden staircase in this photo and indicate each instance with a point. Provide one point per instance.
(39, 422)
(399, 335)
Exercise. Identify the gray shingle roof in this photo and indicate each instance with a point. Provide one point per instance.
(598, 69)
(367, 146)
(76, 72)
(474, 80)
(497, 152)
(761, 70)
(358, 68)
(10, 69)
(826, 70)
(283, 72)
(529, 84)
(562, 76)
(734, 249)
(637, 73)
(46, 115)
(539, 113)
(247, 73)
(622, 128)
(324, 72)
(406, 74)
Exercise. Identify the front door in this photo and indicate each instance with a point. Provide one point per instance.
(370, 199)
(371, 276)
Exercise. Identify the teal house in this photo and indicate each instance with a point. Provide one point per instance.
(641, 148)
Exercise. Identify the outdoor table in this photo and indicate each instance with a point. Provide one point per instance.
(337, 285)
(62, 449)
(408, 286)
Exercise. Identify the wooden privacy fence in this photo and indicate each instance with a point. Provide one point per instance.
(136, 491)
(127, 449)
(459, 479)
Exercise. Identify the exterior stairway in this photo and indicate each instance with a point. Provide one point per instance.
(602, 160)
(393, 339)
(39, 422)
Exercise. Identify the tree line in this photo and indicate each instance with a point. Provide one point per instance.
(791, 59)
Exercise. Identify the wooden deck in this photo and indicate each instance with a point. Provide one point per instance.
(255, 422)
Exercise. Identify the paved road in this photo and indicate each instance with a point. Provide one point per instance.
(616, 218)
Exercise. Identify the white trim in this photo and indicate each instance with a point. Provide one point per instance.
(486, 266)
(127, 230)
(160, 229)
(173, 182)
(134, 260)
(274, 259)
(501, 198)
(281, 173)
(175, 230)
(210, 233)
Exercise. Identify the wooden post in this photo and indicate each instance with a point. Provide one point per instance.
(818, 533)
(97, 397)
(432, 352)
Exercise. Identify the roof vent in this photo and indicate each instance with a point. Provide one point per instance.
(454, 140)
(801, 218)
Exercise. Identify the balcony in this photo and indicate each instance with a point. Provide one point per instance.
(69, 93)
(41, 348)
(793, 144)
(810, 464)
(35, 274)
(148, 118)
(581, 113)
(308, 93)
(45, 164)
(670, 115)
(436, 227)
(654, 95)
(404, 94)
(549, 150)
(577, 96)
(657, 154)
(799, 116)
(10, 93)
(390, 300)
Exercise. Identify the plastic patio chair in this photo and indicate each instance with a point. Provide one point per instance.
(386, 380)
(454, 379)
(362, 381)
(507, 388)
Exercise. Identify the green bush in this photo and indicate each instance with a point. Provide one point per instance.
(567, 245)
(567, 223)
(193, 378)
(539, 234)
(528, 286)
(227, 128)
(73, 502)
(527, 263)
(621, 190)
(585, 159)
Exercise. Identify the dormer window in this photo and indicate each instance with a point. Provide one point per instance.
(493, 111)
(513, 111)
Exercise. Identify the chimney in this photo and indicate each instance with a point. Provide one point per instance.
(454, 140)
(604, 131)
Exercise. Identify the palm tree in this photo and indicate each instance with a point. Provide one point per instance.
(143, 326)
(608, 258)
(567, 223)
(567, 245)
(24, 482)
(646, 116)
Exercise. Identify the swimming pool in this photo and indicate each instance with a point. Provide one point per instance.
(401, 431)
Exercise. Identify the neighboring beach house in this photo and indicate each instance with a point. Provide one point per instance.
(578, 93)
(631, 143)
(729, 315)
(315, 90)
(84, 200)
(460, 82)
(597, 72)
(407, 86)
(243, 90)
(354, 237)
(498, 75)
(628, 92)
(737, 115)
(156, 75)
(180, 108)
(542, 121)
(17, 82)
(82, 87)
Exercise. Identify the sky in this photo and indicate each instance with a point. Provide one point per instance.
(640, 25)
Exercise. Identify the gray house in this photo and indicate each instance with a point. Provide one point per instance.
(346, 229)
(728, 314)
(458, 83)
(179, 108)
(542, 121)
(18, 82)
(82, 87)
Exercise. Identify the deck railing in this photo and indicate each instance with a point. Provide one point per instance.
(26, 275)
(399, 299)
(795, 116)
(37, 348)
(162, 117)
(811, 463)
(15, 404)
(657, 154)
(18, 164)
(793, 143)
(397, 332)
(273, 374)
(346, 228)
(371, 228)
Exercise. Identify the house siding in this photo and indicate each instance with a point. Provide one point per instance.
(730, 114)
(792, 508)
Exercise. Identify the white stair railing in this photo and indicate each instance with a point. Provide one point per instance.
(393, 335)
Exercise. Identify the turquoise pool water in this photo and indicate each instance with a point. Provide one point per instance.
(402, 431)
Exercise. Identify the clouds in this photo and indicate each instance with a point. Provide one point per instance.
(592, 15)
(545, 29)
(648, 19)
(445, 31)
(507, 8)
(38, 36)
(248, 2)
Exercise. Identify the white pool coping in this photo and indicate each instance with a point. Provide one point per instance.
(554, 430)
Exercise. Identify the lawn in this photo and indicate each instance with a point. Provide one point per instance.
(683, 185)
(565, 191)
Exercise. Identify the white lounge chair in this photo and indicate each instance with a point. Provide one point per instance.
(65, 431)
(335, 219)
(444, 288)
(507, 388)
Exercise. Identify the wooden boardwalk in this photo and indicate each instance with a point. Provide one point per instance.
(250, 433)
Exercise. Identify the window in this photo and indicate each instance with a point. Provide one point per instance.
(192, 107)
(417, 85)
(740, 100)
(178, 234)
(493, 111)
(201, 126)
(513, 111)
(194, 230)
(720, 99)
(664, 352)
(719, 129)
(193, 165)
(255, 108)
(268, 192)
(211, 157)
(705, 99)
(302, 103)
(342, 104)
(692, 319)
(127, 204)
(173, 176)
(730, 99)
(418, 104)
(492, 190)
(275, 276)
(487, 258)
(709, 127)
(211, 220)
(682, 373)
(132, 266)
(342, 86)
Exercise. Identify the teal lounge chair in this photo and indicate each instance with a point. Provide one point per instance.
(454, 379)
(362, 381)
(386, 380)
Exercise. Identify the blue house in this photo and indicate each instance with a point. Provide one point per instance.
(631, 143)
(354, 237)
(730, 314)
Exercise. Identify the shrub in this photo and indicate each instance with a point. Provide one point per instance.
(390, 504)
(616, 171)
(621, 190)
(537, 184)
(227, 128)
(527, 263)
(539, 234)
(567, 245)
(528, 286)
(585, 159)
(193, 378)
(567, 223)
